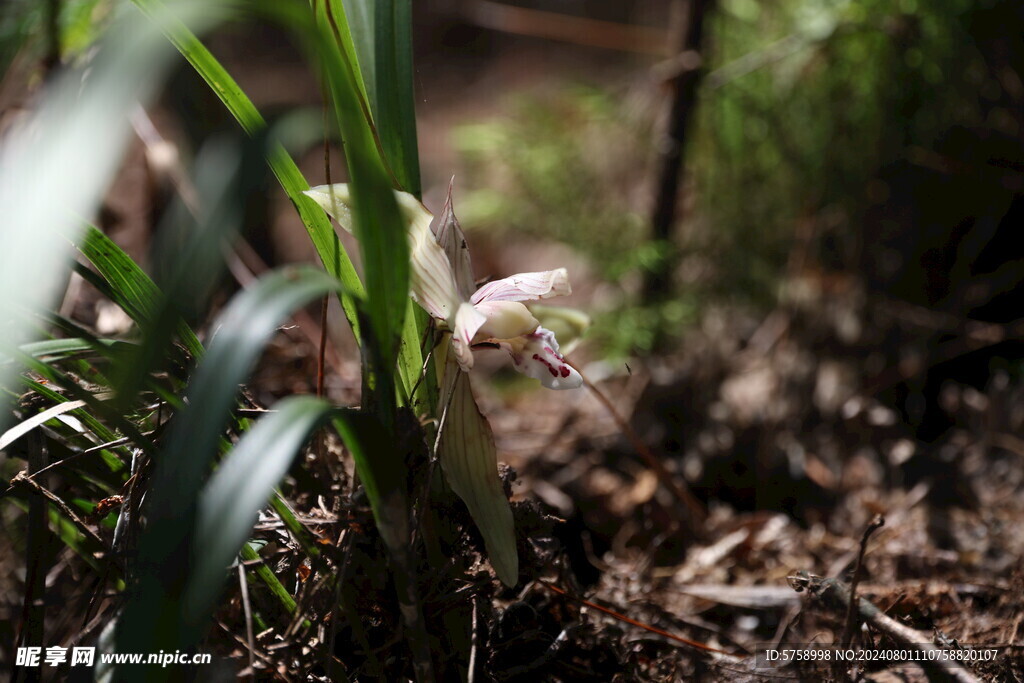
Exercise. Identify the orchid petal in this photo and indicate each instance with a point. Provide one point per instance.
(467, 321)
(536, 355)
(336, 200)
(431, 279)
(525, 287)
(505, 320)
(453, 241)
(567, 324)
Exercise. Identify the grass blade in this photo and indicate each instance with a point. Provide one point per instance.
(333, 12)
(25, 426)
(249, 554)
(378, 224)
(330, 250)
(130, 287)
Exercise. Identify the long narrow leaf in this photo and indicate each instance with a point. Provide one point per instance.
(383, 38)
(166, 547)
(239, 489)
(326, 242)
(133, 290)
(333, 12)
(385, 55)
(378, 223)
(74, 391)
(270, 579)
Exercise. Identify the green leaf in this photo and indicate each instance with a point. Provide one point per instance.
(381, 472)
(74, 391)
(301, 534)
(328, 246)
(71, 537)
(242, 330)
(383, 38)
(265, 574)
(333, 12)
(239, 489)
(378, 223)
(167, 545)
(329, 249)
(94, 425)
(51, 349)
(130, 287)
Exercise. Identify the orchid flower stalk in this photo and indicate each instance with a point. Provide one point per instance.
(441, 280)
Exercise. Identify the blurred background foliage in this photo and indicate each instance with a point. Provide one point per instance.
(28, 25)
(802, 104)
(806, 101)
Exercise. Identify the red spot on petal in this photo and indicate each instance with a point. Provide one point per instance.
(551, 368)
(565, 371)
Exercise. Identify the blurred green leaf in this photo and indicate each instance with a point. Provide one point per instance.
(51, 349)
(56, 163)
(239, 489)
(167, 548)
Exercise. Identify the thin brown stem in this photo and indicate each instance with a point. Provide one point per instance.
(674, 484)
(639, 624)
(877, 522)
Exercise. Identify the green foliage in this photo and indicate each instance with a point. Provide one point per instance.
(378, 225)
(560, 166)
(24, 25)
(129, 287)
(328, 247)
(192, 529)
(804, 101)
(642, 329)
(382, 31)
(194, 442)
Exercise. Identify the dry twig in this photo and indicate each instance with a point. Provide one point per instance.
(877, 522)
(835, 594)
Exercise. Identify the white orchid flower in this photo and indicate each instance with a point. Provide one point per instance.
(441, 280)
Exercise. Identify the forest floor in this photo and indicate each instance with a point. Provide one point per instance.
(800, 473)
